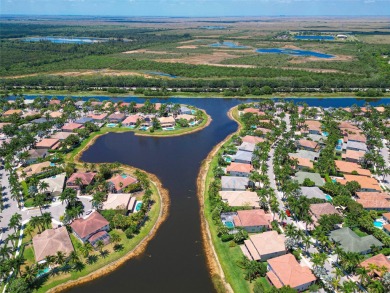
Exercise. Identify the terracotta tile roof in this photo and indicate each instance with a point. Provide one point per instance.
(376, 200)
(357, 137)
(47, 143)
(86, 178)
(308, 143)
(98, 116)
(264, 130)
(379, 260)
(169, 119)
(247, 218)
(386, 216)
(72, 126)
(349, 167)
(274, 279)
(55, 102)
(4, 124)
(131, 119)
(50, 241)
(55, 114)
(62, 135)
(266, 243)
(119, 182)
(10, 112)
(303, 162)
(117, 201)
(347, 126)
(290, 272)
(251, 110)
(240, 198)
(313, 125)
(355, 155)
(380, 109)
(117, 116)
(386, 227)
(252, 139)
(92, 224)
(36, 168)
(319, 209)
(185, 116)
(239, 167)
(364, 181)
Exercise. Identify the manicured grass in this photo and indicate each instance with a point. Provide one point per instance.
(28, 254)
(128, 245)
(359, 232)
(228, 256)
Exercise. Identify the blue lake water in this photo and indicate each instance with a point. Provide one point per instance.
(161, 74)
(294, 52)
(315, 38)
(228, 45)
(213, 27)
(63, 40)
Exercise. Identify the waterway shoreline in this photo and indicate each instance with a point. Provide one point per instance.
(296, 95)
(213, 262)
(164, 206)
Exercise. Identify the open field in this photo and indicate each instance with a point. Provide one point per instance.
(187, 54)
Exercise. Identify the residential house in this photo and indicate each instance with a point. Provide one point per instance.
(36, 154)
(48, 143)
(98, 117)
(380, 261)
(253, 221)
(242, 157)
(118, 183)
(350, 167)
(252, 139)
(313, 126)
(317, 210)
(54, 102)
(264, 246)
(55, 114)
(185, 110)
(119, 201)
(167, 121)
(300, 176)
(320, 139)
(35, 169)
(312, 192)
(50, 242)
(312, 156)
(303, 163)
(368, 184)
(239, 169)
(308, 145)
(40, 120)
(356, 137)
(116, 117)
(234, 183)
(62, 135)
(286, 271)
(240, 198)
(247, 147)
(91, 229)
(70, 127)
(131, 120)
(356, 146)
(350, 242)
(3, 124)
(55, 184)
(185, 117)
(85, 179)
(263, 131)
(83, 120)
(353, 156)
(12, 112)
(374, 200)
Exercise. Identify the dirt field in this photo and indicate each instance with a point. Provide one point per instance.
(103, 72)
(188, 47)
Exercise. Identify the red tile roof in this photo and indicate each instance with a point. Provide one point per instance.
(98, 116)
(131, 119)
(349, 167)
(86, 178)
(72, 126)
(355, 155)
(308, 143)
(252, 139)
(118, 179)
(374, 200)
(47, 143)
(248, 218)
(239, 167)
(92, 224)
(289, 272)
(379, 260)
(364, 181)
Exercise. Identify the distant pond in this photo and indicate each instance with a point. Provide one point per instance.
(64, 40)
(294, 52)
(315, 38)
(161, 74)
(228, 45)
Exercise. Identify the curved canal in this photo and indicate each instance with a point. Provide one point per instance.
(174, 260)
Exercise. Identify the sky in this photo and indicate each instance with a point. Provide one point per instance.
(206, 8)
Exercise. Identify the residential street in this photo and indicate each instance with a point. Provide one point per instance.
(386, 156)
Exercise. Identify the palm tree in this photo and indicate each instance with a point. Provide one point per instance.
(306, 240)
(40, 201)
(30, 273)
(60, 258)
(50, 260)
(349, 287)
(362, 272)
(43, 186)
(73, 258)
(46, 219)
(78, 181)
(15, 221)
(86, 249)
(115, 237)
(100, 245)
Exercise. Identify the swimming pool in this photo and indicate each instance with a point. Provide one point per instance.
(143, 128)
(111, 125)
(228, 159)
(193, 123)
(52, 164)
(229, 224)
(169, 128)
(334, 180)
(193, 112)
(43, 272)
(130, 126)
(325, 133)
(328, 197)
(294, 52)
(138, 206)
(339, 148)
(124, 176)
(378, 224)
